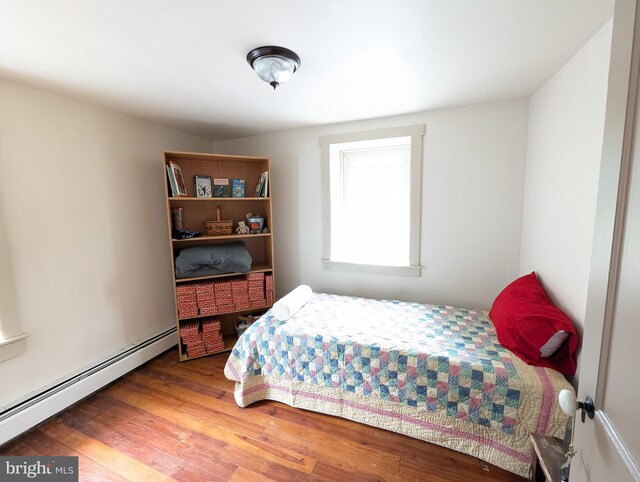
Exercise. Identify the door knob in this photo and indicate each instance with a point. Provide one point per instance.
(570, 405)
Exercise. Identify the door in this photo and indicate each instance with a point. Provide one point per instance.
(608, 446)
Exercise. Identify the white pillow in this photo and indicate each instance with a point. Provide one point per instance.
(287, 306)
(553, 343)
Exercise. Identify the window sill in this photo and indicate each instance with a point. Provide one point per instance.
(411, 271)
(12, 347)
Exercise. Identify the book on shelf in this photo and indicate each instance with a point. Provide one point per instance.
(203, 186)
(221, 188)
(265, 187)
(176, 180)
(262, 189)
(237, 187)
(173, 188)
(258, 188)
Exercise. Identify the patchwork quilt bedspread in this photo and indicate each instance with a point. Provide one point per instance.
(435, 373)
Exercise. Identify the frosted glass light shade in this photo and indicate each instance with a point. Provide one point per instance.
(272, 69)
(274, 65)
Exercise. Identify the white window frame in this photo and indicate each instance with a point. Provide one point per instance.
(416, 133)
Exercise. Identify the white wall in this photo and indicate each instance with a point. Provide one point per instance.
(472, 194)
(81, 192)
(566, 122)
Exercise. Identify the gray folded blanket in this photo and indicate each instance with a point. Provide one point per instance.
(212, 260)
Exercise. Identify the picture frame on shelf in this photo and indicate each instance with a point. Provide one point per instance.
(176, 180)
(203, 186)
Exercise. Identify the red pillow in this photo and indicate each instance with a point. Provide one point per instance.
(526, 320)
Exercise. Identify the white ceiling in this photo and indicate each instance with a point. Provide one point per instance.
(182, 63)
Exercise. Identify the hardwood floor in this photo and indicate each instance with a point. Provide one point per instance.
(178, 421)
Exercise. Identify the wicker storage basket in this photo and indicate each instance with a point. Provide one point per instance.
(217, 227)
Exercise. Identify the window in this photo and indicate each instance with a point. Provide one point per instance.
(371, 190)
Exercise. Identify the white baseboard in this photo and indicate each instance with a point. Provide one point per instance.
(39, 408)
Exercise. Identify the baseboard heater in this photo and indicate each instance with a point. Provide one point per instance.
(36, 408)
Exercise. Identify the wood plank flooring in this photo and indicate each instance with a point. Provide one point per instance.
(178, 421)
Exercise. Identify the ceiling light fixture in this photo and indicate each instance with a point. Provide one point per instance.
(274, 65)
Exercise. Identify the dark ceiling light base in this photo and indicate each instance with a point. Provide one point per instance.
(274, 65)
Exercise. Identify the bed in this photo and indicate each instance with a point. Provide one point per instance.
(435, 373)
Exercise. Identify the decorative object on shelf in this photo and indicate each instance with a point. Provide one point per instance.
(275, 65)
(176, 219)
(237, 187)
(241, 328)
(242, 228)
(217, 227)
(221, 188)
(176, 180)
(249, 319)
(256, 223)
(203, 186)
(185, 234)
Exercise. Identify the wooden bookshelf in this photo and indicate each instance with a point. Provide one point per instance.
(195, 210)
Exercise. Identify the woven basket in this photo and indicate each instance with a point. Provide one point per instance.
(218, 227)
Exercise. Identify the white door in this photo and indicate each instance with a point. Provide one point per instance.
(609, 444)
